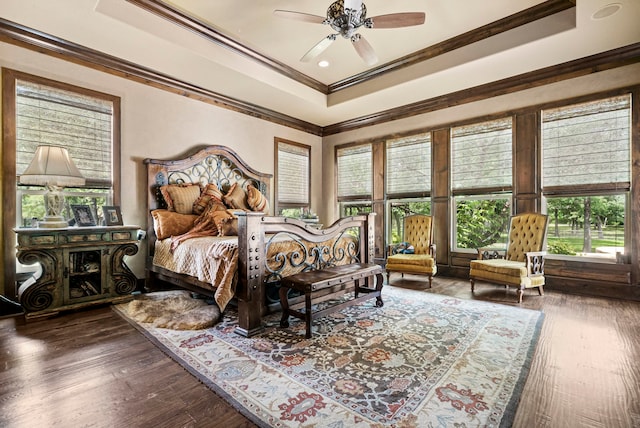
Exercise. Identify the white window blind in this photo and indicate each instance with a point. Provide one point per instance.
(293, 174)
(354, 171)
(83, 124)
(587, 143)
(481, 155)
(409, 165)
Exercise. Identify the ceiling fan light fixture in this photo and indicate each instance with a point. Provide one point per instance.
(346, 17)
(352, 4)
(346, 20)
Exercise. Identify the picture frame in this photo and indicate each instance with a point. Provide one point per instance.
(112, 215)
(83, 215)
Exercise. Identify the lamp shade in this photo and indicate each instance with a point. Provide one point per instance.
(52, 166)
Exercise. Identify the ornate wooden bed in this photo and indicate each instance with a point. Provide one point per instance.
(266, 248)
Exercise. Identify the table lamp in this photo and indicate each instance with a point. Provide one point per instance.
(53, 168)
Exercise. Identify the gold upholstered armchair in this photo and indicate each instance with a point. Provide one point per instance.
(418, 232)
(522, 264)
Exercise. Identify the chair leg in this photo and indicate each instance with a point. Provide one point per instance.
(473, 284)
(430, 281)
(284, 303)
(541, 290)
(520, 293)
(388, 273)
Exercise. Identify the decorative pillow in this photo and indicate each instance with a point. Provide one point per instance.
(256, 200)
(402, 248)
(229, 227)
(226, 222)
(236, 197)
(180, 197)
(170, 223)
(209, 193)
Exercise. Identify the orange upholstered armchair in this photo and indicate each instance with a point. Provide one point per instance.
(418, 232)
(523, 262)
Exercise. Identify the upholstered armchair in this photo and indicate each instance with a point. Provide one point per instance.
(418, 232)
(522, 264)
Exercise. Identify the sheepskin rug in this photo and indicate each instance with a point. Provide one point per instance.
(175, 310)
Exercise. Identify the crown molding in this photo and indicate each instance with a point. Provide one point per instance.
(204, 30)
(177, 17)
(527, 16)
(38, 41)
(20, 35)
(592, 64)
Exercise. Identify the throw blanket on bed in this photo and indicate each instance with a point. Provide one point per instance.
(209, 223)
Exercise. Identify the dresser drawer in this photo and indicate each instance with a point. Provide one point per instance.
(122, 236)
(36, 239)
(84, 237)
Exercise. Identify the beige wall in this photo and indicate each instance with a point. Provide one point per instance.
(593, 83)
(159, 124)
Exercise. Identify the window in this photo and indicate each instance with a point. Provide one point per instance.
(82, 121)
(481, 171)
(354, 173)
(398, 209)
(409, 166)
(293, 178)
(354, 179)
(482, 221)
(42, 111)
(355, 208)
(586, 164)
(408, 181)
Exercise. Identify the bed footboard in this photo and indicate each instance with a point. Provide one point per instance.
(260, 263)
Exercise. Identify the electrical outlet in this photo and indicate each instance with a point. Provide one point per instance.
(141, 235)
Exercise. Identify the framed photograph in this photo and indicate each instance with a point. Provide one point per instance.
(83, 215)
(112, 216)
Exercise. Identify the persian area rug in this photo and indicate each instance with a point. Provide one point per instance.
(421, 360)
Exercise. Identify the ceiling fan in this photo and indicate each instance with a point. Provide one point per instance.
(346, 17)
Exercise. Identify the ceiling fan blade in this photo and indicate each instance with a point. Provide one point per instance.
(299, 16)
(396, 20)
(364, 49)
(318, 48)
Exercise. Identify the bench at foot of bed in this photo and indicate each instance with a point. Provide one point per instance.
(315, 286)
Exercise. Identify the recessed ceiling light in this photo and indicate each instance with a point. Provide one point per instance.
(323, 63)
(606, 11)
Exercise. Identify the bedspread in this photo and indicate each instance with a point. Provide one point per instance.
(213, 260)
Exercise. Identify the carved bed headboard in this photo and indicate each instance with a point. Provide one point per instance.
(210, 164)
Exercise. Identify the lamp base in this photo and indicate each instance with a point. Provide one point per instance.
(50, 222)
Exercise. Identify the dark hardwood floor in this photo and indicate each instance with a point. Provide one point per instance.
(92, 369)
